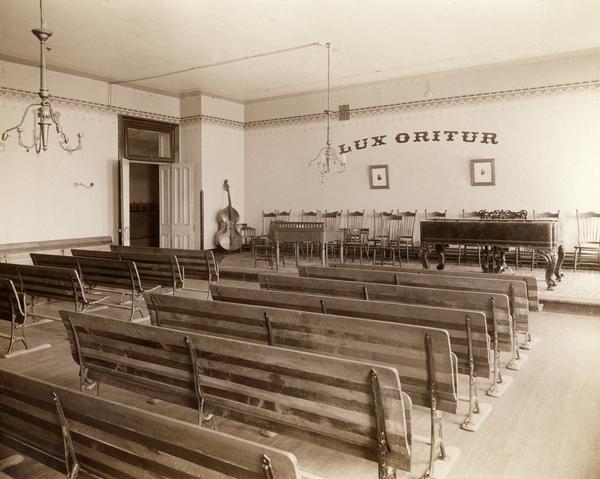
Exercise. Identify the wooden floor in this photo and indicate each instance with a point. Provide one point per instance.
(546, 426)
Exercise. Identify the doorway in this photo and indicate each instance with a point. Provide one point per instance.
(144, 201)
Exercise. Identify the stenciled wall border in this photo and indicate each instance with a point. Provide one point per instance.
(477, 98)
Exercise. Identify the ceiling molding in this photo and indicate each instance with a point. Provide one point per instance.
(69, 71)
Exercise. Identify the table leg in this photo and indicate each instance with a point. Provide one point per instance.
(423, 255)
(323, 249)
(550, 257)
(277, 256)
(342, 253)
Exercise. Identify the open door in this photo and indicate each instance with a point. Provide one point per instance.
(176, 204)
(124, 202)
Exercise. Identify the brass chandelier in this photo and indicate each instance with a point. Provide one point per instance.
(44, 116)
(327, 159)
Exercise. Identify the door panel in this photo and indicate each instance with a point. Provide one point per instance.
(124, 201)
(165, 192)
(182, 226)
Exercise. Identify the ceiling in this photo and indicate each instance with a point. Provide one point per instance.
(124, 40)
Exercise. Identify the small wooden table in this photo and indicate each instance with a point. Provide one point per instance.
(300, 231)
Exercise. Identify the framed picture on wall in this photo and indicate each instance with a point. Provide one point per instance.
(483, 172)
(378, 177)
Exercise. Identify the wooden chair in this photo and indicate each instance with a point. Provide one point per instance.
(464, 248)
(248, 234)
(12, 310)
(389, 245)
(588, 236)
(546, 215)
(324, 400)
(267, 218)
(332, 221)
(307, 247)
(72, 432)
(355, 236)
(407, 231)
(380, 229)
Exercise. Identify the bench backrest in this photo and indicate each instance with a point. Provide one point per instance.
(492, 304)
(514, 289)
(153, 269)
(198, 264)
(110, 273)
(113, 440)
(452, 320)
(92, 253)
(11, 307)
(49, 282)
(324, 400)
(54, 260)
(530, 281)
(10, 271)
(398, 345)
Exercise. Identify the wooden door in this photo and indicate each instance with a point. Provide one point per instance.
(165, 204)
(182, 210)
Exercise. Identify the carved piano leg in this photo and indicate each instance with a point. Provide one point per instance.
(550, 257)
(423, 255)
(557, 269)
(439, 248)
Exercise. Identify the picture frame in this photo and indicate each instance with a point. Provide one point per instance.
(378, 177)
(483, 172)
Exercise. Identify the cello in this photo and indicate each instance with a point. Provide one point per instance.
(228, 237)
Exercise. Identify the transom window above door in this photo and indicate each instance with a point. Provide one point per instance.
(149, 140)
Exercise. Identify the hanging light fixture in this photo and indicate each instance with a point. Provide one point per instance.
(327, 159)
(44, 116)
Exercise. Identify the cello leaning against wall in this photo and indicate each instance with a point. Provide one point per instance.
(228, 237)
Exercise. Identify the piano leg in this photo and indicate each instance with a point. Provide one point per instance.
(557, 269)
(440, 248)
(423, 255)
(552, 265)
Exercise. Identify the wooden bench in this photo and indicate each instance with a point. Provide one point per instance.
(108, 273)
(62, 284)
(494, 305)
(12, 309)
(530, 281)
(422, 355)
(69, 431)
(196, 264)
(514, 289)
(155, 270)
(469, 342)
(353, 407)
(19, 252)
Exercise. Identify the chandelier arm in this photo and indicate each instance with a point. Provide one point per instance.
(20, 124)
(317, 157)
(63, 139)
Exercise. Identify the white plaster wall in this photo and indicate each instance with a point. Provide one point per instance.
(222, 158)
(38, 200)
(546, 159)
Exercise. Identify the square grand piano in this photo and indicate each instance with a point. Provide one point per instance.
(496, 236)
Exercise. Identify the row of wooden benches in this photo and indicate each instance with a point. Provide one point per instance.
(122, 354)
(253, 384)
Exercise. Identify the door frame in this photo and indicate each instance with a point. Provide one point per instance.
(126, 121)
